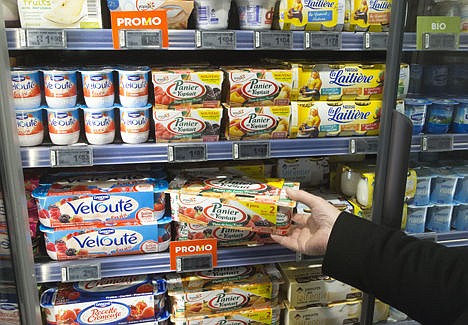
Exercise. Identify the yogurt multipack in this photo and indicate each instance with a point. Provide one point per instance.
(258, 86)
(120, 300)
(326, 15)
(243, 203)
(335, 118)
(91, 241)
(371, 15)
(106, 201)
(177, 88)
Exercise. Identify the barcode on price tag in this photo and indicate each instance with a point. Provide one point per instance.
(440, 41)
(273, 40)
(43, 38)
(71, 156)
(141, 39)
(322, 40)
(186, 153)
(216, 40)
(251, 150)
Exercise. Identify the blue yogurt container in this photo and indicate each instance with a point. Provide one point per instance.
(460, 116)
(439, 218)
(439, 116)
(416, 110)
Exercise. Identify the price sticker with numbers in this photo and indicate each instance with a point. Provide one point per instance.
(363, 145)
(251, 150)
(271, 40)
(141, 39)
(75, 273)
(375, 41)
(322, 40)
(187, 153)
(225, 40)
(43, 38)
(74, 156)
(193, 255)
(441, 42)
(437, 33)
(437, 143)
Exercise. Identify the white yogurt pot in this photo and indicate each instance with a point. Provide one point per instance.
(64, 125)
(134, 124)
(212, 14)
(98, 87)
(26, 86)
(256, 14)
(99, 125)
(30, 126)
(133, 86)
(60, 88)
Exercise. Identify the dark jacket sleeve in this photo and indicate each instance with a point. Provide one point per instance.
(427, 281)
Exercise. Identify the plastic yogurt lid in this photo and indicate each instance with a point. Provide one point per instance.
(29, 110)
(417, 101)
(25, 70)
(420, 206)
(99, 109)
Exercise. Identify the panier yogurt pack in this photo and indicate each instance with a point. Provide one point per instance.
(120, 300)
(231, 201)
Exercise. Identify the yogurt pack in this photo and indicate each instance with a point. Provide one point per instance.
(120, 300)
(98, 87)
(265, 122)
(134, 123)
(133, 86)
(64, 125)
(100, 203)
(312, 15)
(256, 14)
(26, 85)
(335, 118)
(187, 125)
(176, 88)
(372, 15)
(30, 126)
(99, 125)
(60, 87)
(93, 241)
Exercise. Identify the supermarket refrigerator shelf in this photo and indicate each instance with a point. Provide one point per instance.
(52, 271)
(101, 39)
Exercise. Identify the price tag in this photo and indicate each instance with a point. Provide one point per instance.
(216, 40)
(375, 41)
(363, 146)
(437, 143)
(428, 236)
(75, 273)
(186, 153)
(273, 40)
(322, 40)
(141, 39)
(440, 41)
(193, 255)
(43, 38)
(74, 156)
(251, 150)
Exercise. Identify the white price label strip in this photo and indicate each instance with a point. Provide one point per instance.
(71, 156)
(43, 38)
(216, 40)
(273, 40)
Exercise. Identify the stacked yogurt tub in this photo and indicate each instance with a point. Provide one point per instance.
(441, 200)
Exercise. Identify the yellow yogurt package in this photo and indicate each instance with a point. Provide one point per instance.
(258, 86)
(249, 123)
(312, 15)
(348, 118)
(369, 15)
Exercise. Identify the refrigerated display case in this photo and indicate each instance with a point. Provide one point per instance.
(27, 272)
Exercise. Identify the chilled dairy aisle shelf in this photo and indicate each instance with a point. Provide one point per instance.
(40, 156)
(52, 271)
(101, 39)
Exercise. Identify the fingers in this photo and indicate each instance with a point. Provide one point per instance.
(300, 219)
(286, 241)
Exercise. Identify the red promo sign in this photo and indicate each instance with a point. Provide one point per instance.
(192, 248)
(139, 20)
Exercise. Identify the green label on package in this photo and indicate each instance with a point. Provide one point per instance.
(437, 33)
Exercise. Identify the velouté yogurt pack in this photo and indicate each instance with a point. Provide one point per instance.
(103, 202)
(119, 300)
(91, 241)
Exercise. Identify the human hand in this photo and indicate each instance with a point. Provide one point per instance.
(310, 233)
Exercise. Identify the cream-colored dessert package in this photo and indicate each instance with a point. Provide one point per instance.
(310, 171)
(335, 118)
(313, 15)
(334, 314)
(60, 14)
(305, 285)
(178, 11)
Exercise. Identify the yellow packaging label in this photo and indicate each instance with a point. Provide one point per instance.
(260, 290)
(320, 119)
(260, 316)
(312, 14)
(372, 15)
(404, 216)
(259, 87)
(411, 182)
(245, 123)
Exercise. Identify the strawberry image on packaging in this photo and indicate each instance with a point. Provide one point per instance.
(101, 203)
(84, 242)
(120, 300)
